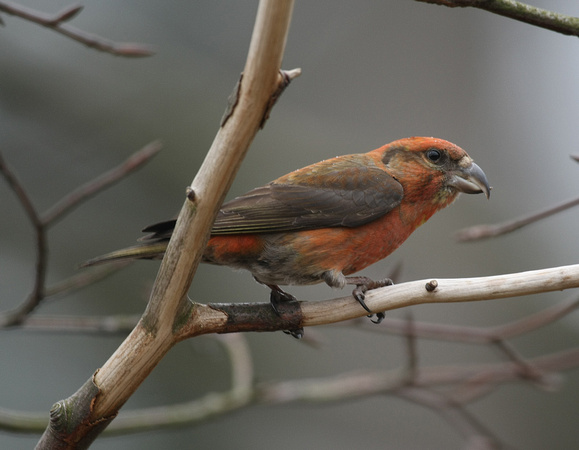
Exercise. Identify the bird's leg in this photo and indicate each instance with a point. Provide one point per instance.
(363, 285)
(277, 298)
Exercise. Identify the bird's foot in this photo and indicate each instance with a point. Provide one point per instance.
(363, 285)
(298, 333)
(279, 299)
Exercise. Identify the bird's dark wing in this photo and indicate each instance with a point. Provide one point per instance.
(346, 191)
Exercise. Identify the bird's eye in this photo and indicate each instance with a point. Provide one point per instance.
(434, 155)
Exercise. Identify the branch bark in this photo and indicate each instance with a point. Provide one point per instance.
(78, 420)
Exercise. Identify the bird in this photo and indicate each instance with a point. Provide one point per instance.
(331, 219)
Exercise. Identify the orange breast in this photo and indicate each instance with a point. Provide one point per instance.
(350, 250)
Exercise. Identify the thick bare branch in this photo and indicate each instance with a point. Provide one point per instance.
(98, 401)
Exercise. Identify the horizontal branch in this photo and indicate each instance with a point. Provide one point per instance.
(341, 387)
(364, 383)
(519, 11)
(447, 291)
(236, 317)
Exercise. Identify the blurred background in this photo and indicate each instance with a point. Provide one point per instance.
(372, 72)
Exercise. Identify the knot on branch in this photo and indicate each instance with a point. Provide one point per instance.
(431, 285)
(190, 194)
(283, 81)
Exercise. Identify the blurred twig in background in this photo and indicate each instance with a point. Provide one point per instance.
(42, 222)
(519, 11)
(58, 23)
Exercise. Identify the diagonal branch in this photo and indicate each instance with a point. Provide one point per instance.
(102, 182)
(480, 232)
(57, 22)
(519, 11)
(78, 420)
(455, 414)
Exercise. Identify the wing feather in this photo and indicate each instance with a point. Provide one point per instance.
(347, 191)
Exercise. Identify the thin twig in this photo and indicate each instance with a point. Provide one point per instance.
(519, 11)
(17, 315)
(364, 383)
(21, 315)
(102, 182)
(534, 321)
(18, 188)
(454, 413)
(479, 232)
(526, 370)
(411, 367)
(83, 279)
(113, 324)
(57, 22)
(470, 334)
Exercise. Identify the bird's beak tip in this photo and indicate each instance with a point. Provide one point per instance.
(472, 180)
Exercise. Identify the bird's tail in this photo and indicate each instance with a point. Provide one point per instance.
(150, 250)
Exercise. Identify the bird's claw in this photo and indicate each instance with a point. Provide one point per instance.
(359, 294)
(380, 316)
(363, 285)
(298, 333)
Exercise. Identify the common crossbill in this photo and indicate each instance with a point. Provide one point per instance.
(331, 219)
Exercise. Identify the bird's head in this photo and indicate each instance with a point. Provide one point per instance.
(433, 170)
